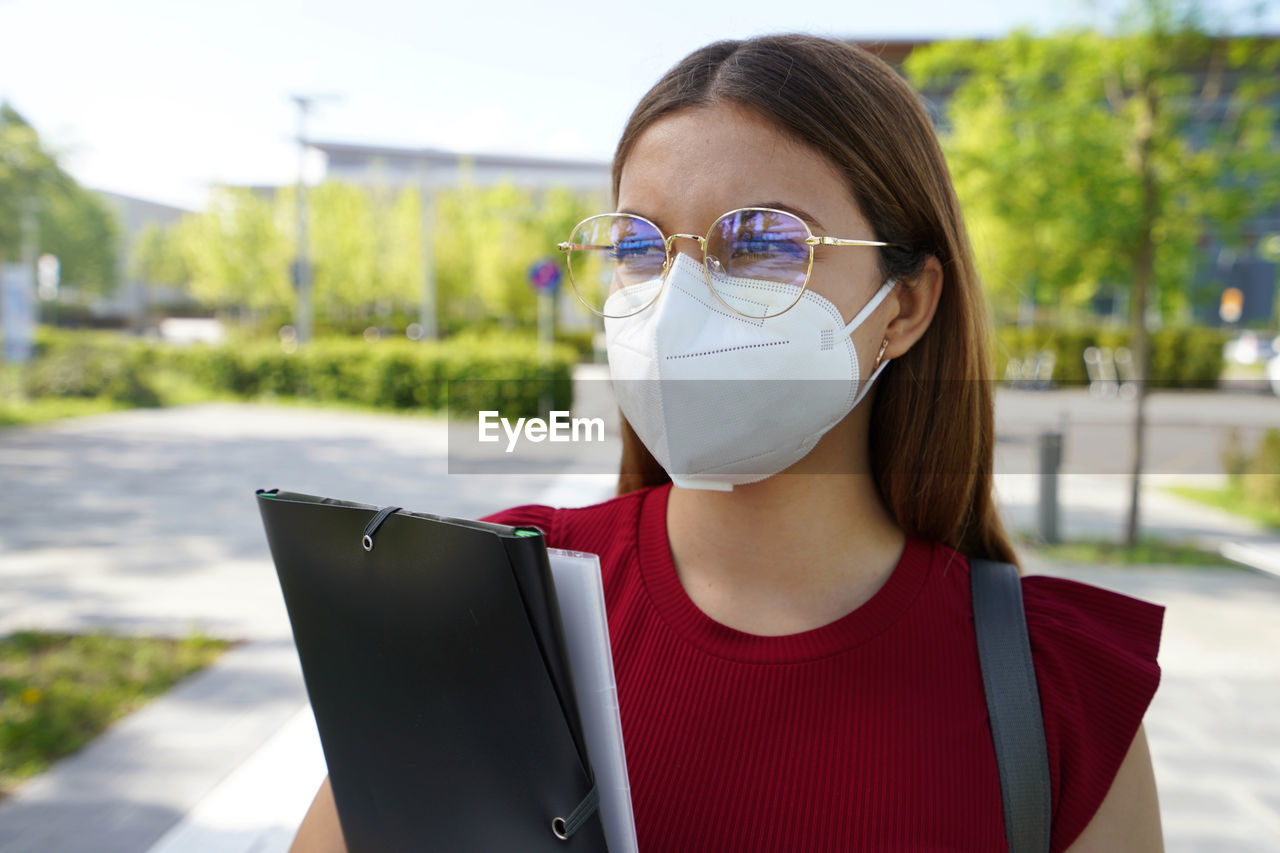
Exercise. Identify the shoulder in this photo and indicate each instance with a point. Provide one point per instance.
(1094, 652)
(590, 528)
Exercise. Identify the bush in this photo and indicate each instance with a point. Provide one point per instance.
(583, 342)
(460, 375)
(91, 364)
(1189, 357)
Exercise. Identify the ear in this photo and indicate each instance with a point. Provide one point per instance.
(912, 306)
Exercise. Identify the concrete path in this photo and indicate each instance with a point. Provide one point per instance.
(157, 532)
(1212, 728)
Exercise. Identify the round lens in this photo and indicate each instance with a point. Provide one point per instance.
(754, 247)
(616, 263)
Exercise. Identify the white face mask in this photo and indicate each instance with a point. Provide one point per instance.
(722, 400)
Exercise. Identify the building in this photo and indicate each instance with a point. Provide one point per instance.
(132, 299)
(434, 168)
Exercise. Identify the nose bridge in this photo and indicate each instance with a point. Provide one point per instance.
(699, 239)
(695, 259)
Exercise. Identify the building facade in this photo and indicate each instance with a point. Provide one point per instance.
(436, 169)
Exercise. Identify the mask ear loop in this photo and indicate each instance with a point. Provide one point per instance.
(881, 361)
(871, 305)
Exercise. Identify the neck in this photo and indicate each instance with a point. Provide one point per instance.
(787, 554)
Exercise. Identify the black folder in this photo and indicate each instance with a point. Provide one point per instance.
(433, 656)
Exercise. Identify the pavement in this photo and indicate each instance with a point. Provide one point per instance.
(144, 521)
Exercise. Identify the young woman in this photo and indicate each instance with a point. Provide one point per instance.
(791, 618)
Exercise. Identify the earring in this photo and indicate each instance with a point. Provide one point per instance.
(880, 355)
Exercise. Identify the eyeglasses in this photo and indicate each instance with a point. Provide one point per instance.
(618, 261)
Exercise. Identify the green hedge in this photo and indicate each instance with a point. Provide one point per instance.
(91, 364)
(1189, 357)
(460, 376)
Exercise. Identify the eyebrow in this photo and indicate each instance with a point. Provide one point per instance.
(794, 211)
(631, 212)
(807, 217)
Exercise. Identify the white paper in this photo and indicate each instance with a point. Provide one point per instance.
(580, 593)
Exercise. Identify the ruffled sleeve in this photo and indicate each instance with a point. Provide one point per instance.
(1095, 658)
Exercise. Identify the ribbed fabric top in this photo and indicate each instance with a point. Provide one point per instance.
(869, 733)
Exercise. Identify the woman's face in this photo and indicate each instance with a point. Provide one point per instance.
(688, 168)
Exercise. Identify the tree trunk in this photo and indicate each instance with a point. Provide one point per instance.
(1138, 346)
(1143, 273)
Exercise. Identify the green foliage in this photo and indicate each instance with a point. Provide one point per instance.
(1072, 152)
(235, 252)
(1235, 500)
(485, 242)
(70, 222)
(366, 248)
(1255, 475)
(1186, 357)
(87, 365)
(157, 258)
(57, 691)
(582, 341)
(365, 245)
(1146, 553)
(27, 412)
(460, 376)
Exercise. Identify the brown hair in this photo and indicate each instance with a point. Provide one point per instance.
(933, 406)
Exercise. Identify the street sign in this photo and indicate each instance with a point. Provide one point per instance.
(47, 276)
(17, 305)
(545, 276)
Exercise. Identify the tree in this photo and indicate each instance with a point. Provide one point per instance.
(70, 222)
(157, 258)
(1084, 159)
(486, 240)
(366, 246)
(236, 253)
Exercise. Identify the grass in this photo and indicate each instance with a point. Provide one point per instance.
(1234, 500)
(172, 388)
(1146, 552)
(48, 409)
(58, 691)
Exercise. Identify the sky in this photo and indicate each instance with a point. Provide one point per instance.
(163, 99)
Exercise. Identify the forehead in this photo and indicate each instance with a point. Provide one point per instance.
(697, 163)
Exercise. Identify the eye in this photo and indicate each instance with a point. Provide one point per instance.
(763, 245)
(634, 249)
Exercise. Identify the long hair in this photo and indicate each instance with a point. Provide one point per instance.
(932, 429)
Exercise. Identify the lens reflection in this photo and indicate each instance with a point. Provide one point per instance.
(615, 263)
(763, 246)
(757, 261)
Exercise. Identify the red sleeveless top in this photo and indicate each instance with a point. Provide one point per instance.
(869, 733)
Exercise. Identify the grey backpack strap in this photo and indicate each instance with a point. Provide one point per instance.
(1013, 704)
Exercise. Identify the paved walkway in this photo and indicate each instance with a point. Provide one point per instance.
(157, 532)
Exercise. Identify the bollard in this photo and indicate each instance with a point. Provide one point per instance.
(1050, 444)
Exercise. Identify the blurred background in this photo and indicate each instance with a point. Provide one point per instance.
(279, 244)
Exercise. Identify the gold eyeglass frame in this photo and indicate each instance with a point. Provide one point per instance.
(810, 240)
